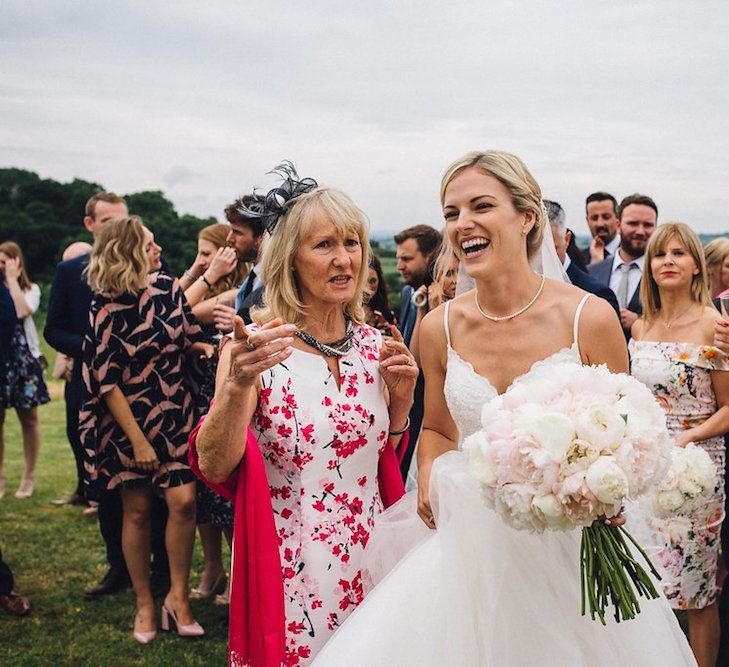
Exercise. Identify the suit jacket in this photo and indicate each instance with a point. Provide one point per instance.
(585, 281)
(68, 308)
(255, 298)
(408, 314)
(602, 271)
(588, 259)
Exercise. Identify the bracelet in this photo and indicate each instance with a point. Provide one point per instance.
(405, 428)
(206, 281)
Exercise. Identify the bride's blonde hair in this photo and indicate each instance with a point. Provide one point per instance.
(526, 194)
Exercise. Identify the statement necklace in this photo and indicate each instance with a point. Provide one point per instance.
(672, 321)
(336, 349)
(501, 318)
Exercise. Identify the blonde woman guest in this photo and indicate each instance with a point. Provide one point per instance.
(716, 253)
(673, 354)
(138, 411)
(23, 386)
(320, 393)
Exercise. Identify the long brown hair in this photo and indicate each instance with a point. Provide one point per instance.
(217, 234)
(12, 250)
(650, 297)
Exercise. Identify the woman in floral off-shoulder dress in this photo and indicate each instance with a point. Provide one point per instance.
(672, 354)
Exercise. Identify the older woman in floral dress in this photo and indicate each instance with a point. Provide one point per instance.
(326, 398)
(672, 353)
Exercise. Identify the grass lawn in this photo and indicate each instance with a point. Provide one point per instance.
(55, 553)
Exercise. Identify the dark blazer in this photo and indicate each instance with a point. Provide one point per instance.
(588, 259)
(408, 314)
(585, 281)
(601, 272)
(68, 308)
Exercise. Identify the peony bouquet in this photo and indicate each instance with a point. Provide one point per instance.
(567, 449)
(691, 477)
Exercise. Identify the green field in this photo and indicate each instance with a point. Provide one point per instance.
(56, 553)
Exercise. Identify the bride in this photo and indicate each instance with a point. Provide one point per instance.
(471, 590)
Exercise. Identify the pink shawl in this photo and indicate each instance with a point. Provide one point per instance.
(257, 634)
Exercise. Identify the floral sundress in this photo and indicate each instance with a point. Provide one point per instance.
(321, 446)
(679, 375)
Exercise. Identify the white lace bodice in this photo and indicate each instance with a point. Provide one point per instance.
(466, 391)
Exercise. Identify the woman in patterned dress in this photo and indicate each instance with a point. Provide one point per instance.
(139, 410)
(23, 388)
(672, 353)
(320, 394)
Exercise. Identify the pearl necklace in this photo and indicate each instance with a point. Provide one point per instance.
(670, 323)
(501, 318)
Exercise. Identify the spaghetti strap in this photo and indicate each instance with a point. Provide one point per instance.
(445, 323)
(576, 324)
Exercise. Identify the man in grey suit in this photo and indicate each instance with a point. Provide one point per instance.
(638, 217)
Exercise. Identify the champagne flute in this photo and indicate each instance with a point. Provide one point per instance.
(724, 305)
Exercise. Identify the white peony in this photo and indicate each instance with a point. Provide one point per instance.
(549, 511)
(601, 425)
(478, 458)
(607, 481)
(554, 432)
(580, 456)
(668, 501)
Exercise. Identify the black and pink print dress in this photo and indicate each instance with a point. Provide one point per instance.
(138, 344)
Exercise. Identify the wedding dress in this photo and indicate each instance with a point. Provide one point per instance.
(477, 592)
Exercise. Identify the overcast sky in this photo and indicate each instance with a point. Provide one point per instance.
(200, 99)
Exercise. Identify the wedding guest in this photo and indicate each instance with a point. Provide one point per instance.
(216, 273)
(318, 391)
(11, 599)
(716, 253)
(220, 274)
(673, 354)
(637, 218)
(138, 412)
(378, 312)
(417, 248)
(23, 387)
(562, 237)
(601, 214)
(574, 253)
(66, 324)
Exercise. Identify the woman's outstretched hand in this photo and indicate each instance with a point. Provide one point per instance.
(253, 353)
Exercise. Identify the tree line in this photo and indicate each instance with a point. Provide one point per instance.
(43, 216)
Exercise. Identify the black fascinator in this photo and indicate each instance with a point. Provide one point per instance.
(278, 200)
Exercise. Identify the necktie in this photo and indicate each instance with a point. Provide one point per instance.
(249, 284)
(622, 292)
(245, 289)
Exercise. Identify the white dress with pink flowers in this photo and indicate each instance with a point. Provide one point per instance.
(478, 593)
(321, 445)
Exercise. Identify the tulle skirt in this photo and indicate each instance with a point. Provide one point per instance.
(479, 593)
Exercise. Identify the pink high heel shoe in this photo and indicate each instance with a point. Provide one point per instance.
(144, 637)
(193, 629)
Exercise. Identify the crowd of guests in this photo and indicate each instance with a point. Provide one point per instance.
(279, 358)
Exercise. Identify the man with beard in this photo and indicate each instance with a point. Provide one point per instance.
(416, 248)
(602, 219)
(246, 238)
(638, 216)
